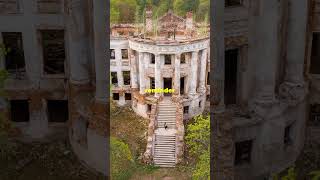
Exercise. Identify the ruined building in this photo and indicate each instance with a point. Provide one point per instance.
(169, 53)
(57, 72)
(266, 86)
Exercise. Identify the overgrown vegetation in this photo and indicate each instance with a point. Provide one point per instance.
(133, 11)
(198, 143)
(128, 143)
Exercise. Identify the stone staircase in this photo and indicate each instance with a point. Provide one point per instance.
(165, 151)
(166, 114)
(165, 139)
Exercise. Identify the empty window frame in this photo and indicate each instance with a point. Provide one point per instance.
(57, 111)
(115, 96)
(185, 109)
(19, 110)
(149, 106)
(315, 54)
(208, 79)
(152, 83)
(124, 53)
(112, 54)
(114, 78)
(287, 137)
(14, 57)
(53, 46)
(229, 3)
(126, 77)
(315, 115)
(183, 58)
(153, 59)
(127, 96)
(243, 152)
(200, 102)
(167, 59)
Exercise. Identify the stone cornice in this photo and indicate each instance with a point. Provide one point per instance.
(169, 48)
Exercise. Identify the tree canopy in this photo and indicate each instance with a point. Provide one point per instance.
(131, 11)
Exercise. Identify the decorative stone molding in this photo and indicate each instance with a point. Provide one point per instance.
(291, 93)
(169, 48)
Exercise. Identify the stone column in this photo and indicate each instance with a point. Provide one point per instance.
(263, 50)
(142, 73)
(218, 55)
(100, 48)
(157, 73)
(297, 28)
(177, 74)
(203, 70)
(133, 70)
(194, 73)
(118, 58)
(78, 35)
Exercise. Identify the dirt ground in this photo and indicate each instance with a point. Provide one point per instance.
(42, 161)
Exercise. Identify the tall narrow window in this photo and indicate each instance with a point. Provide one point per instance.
(315, 54)
(243, 152)
(124, 53)
(114, 78)
(153, 59)
(53, 51)
(112, 54)
(126, 77)
(14, 58)
(152, 83)
(167, 59)
(183, 58)
(287, 139)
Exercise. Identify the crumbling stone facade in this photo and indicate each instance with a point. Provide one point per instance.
(174, 61)
(261, 86)
(62, 89)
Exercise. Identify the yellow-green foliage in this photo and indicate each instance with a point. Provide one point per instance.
(121, 159)
(315, 175)
(198, 142)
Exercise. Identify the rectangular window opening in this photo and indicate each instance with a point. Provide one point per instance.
(153, 59)
(115, 96)
(243, 152)
(19, 110)
(114, 78)
(14, 57)
(58, 111)
(53, 51)
(167, 59)
(185, 109)
(124, 53)
(126, 77)
(127, 96)
(112, 54)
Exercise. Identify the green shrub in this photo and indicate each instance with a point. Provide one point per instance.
(122, 164)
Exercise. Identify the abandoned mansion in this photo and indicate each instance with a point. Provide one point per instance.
(265, 83)
(163, 75)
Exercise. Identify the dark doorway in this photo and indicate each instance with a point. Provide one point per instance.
(182, 85)
(167, 83)
(230, 83)
(57, 110)
(19, 110)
